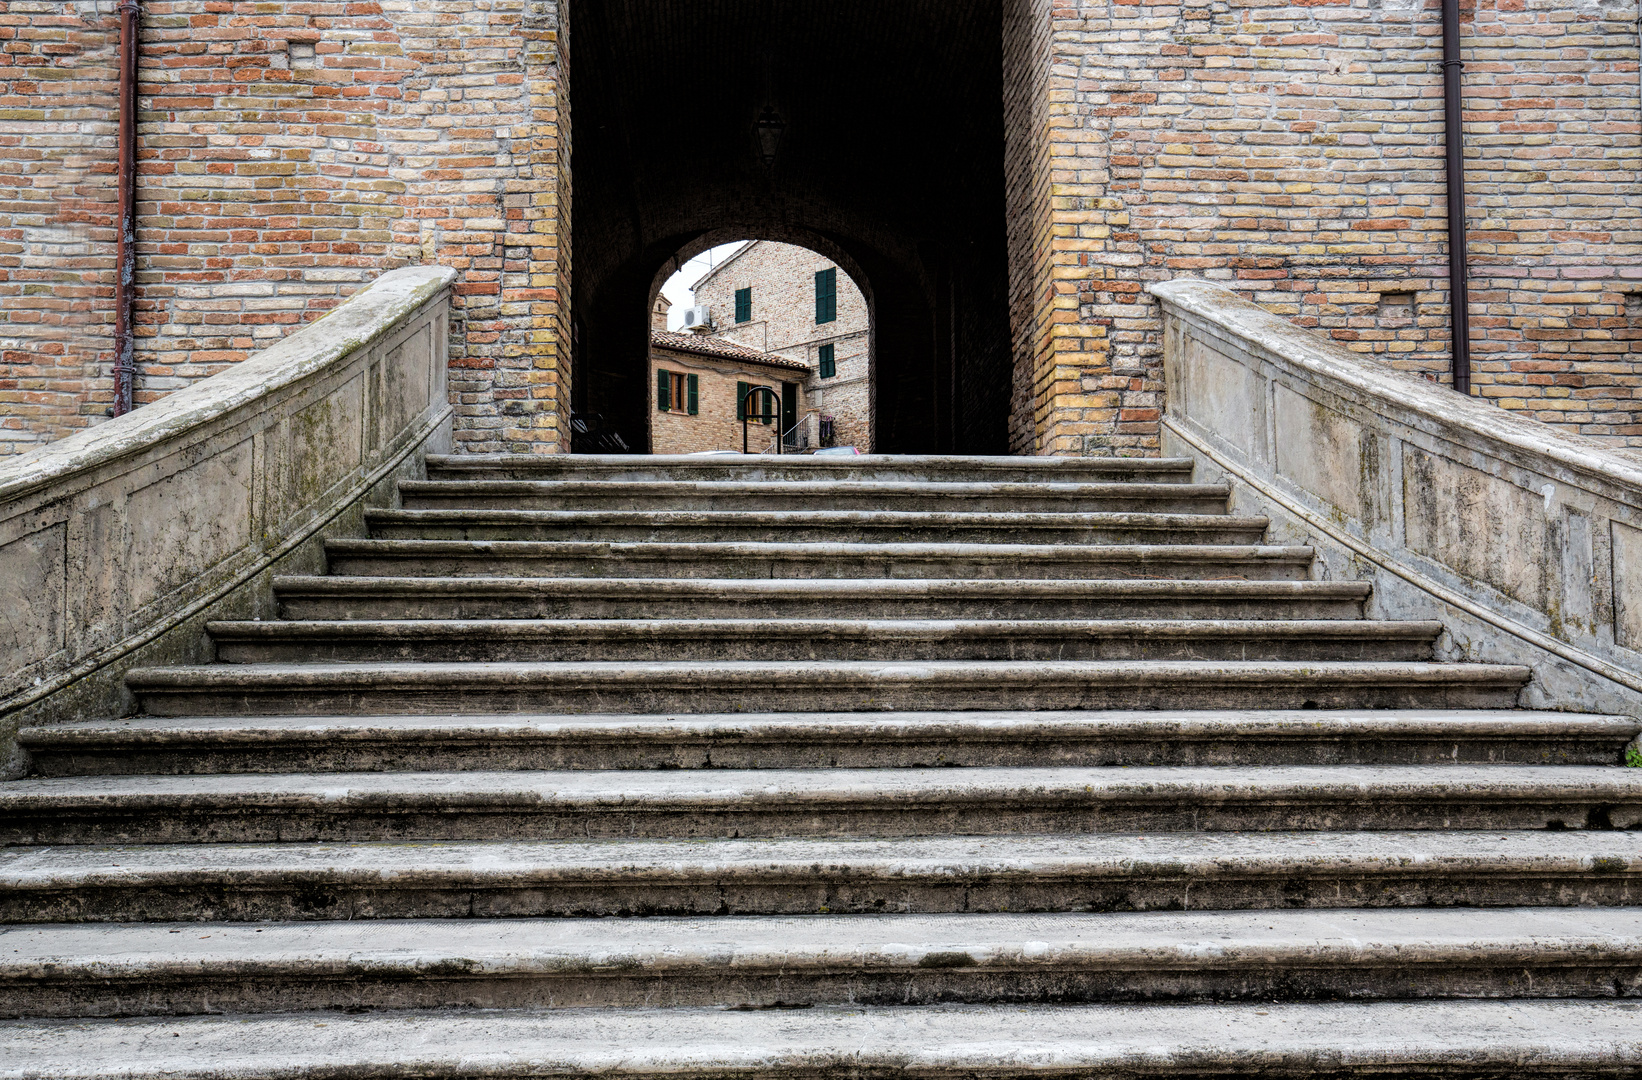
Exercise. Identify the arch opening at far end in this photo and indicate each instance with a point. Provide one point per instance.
(760, 346)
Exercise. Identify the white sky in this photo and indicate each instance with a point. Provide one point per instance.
(679, 288)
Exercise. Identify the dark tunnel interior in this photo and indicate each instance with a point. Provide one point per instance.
(890, 160)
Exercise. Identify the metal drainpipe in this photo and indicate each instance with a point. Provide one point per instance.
(125, 257)
(1459, 294)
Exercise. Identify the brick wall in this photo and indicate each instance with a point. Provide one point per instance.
(58, 84)
(292, 149)
(714, 427)
(289, 151)
(1294, 152)
(1028, 29)
(1553, 106)
(782, 278)
(536, 305)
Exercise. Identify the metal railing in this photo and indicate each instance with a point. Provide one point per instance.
(747, 412)
(800, 436)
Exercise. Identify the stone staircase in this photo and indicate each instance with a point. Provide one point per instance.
(700, 767)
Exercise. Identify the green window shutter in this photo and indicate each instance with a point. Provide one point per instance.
(829, 366)
(826, 295)
(664, 389)
(691, 395)
(741, 389)
(743, 304)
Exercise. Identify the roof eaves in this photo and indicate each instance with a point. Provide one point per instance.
(733, 353)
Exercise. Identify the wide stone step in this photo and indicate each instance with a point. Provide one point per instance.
(123, 969)
(494, 879)
(826, 496)
(274, 744)
(990, 801)
(788, 686)
(1451, 1040)
(331, 598)
(547, 558)
(880, 526)
(248, 642)
(867, 468)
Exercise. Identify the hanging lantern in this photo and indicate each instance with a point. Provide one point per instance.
(769, 129)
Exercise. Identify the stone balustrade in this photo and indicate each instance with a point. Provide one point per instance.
(1526, 541)
(118, 543)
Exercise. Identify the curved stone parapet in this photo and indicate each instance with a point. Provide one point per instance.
(118, 543)
(1524, 540)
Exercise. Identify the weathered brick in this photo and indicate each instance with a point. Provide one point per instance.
(271, 174)
(292, 149)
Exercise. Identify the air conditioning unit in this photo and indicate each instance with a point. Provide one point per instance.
(695, 318)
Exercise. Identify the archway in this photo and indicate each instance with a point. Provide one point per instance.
(763, 313)
(889, 159)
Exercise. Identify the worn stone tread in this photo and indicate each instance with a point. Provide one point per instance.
(823, 485)
(894, 629)
(832, 496)
(820, 639)
(787, 588)
(1003, 726)
(830, 519)
(932, 489)
(204, 744)
(517, 862)
(720, 685)
(793, 591)
(917, 464)
(737, 876)
(823, 560)
(419, 597)
(672, 787)
(83, 969)
(684, 549)
(1455, 1040)
(1037, 527)
(843, 942)
(801, 466)
(754, 672)
(812, 802)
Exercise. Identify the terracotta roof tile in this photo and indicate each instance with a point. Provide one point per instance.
(706, 345)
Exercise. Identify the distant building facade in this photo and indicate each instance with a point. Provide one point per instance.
(792, 302)
(697, 382)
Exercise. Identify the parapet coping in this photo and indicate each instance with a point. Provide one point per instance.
(1393, 390)
(356, 323)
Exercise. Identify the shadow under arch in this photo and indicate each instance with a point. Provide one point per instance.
(912, 211)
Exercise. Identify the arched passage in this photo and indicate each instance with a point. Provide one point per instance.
(890, 160)
(832, 400)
